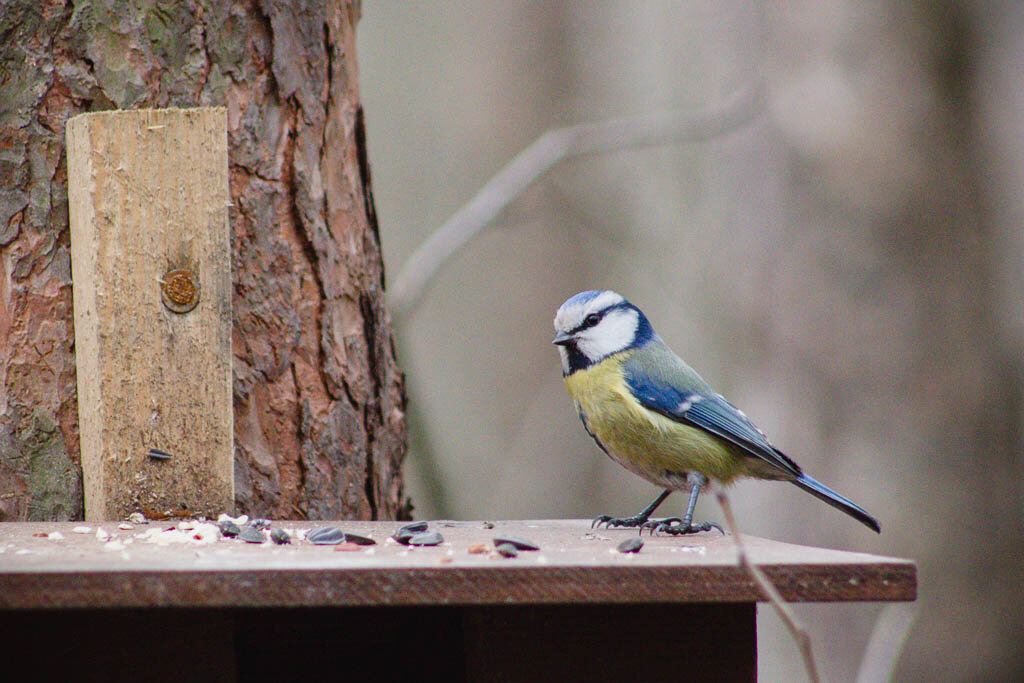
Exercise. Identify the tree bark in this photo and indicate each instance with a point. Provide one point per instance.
(320, 425)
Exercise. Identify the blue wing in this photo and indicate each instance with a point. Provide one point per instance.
(661, 382)
(704, 409)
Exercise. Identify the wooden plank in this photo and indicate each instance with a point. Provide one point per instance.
(148, 194)
(557, 643)
(574, 565)
(656, 642)
(121, 645)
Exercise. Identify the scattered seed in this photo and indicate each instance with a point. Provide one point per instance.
(260, 523)
(631, 545)
(158, 454)
(404, 534)
(358, 540)
(325, 535)
(518, 543)
(487, 525)
(478, 548)
(228, 528)
(506, 549)
(252, 535)
(280, 537)
(348, 547)
(426, 538)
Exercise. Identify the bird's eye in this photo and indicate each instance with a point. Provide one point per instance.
(592, 319)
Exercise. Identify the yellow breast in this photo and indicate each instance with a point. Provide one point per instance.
(648, 444)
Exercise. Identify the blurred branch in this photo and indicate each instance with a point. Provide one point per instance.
(800, 634)
(886, 643)
(550, 149)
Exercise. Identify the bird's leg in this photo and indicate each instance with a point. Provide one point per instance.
(638, 519)
(678, 527)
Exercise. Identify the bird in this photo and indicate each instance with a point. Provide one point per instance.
(653, 414)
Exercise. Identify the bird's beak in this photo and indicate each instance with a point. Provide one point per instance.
(562, 338)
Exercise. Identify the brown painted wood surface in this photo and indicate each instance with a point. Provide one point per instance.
(574, 565)
(148, 194)
(650, 642)
(669, 642)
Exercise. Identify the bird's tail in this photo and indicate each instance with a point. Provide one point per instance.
(819, 490)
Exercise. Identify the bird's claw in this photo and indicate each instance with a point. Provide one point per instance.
(655, 524)
(612, 522)
(675, 527)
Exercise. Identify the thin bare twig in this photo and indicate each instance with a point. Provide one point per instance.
(800, 634)
(550, 149)
(887, 640)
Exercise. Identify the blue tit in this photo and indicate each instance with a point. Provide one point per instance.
(652, 414)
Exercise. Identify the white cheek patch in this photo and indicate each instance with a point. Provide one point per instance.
(614, 333)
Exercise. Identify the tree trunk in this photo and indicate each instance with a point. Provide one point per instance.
(319, 401)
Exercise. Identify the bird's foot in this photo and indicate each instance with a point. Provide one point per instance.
(612, 522)
(676, 527)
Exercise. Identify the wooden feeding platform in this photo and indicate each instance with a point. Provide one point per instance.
(148, 198)
(156, 597)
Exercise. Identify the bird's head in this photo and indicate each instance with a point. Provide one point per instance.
(593, 325)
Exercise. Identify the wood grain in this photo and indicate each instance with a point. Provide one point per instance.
(148, 193)
(574, 565)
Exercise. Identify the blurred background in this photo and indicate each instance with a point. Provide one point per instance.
(846, 268)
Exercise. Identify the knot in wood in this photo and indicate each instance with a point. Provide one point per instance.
(179, 291)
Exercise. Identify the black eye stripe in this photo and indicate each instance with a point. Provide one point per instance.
(598, 316)
(589, 321)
